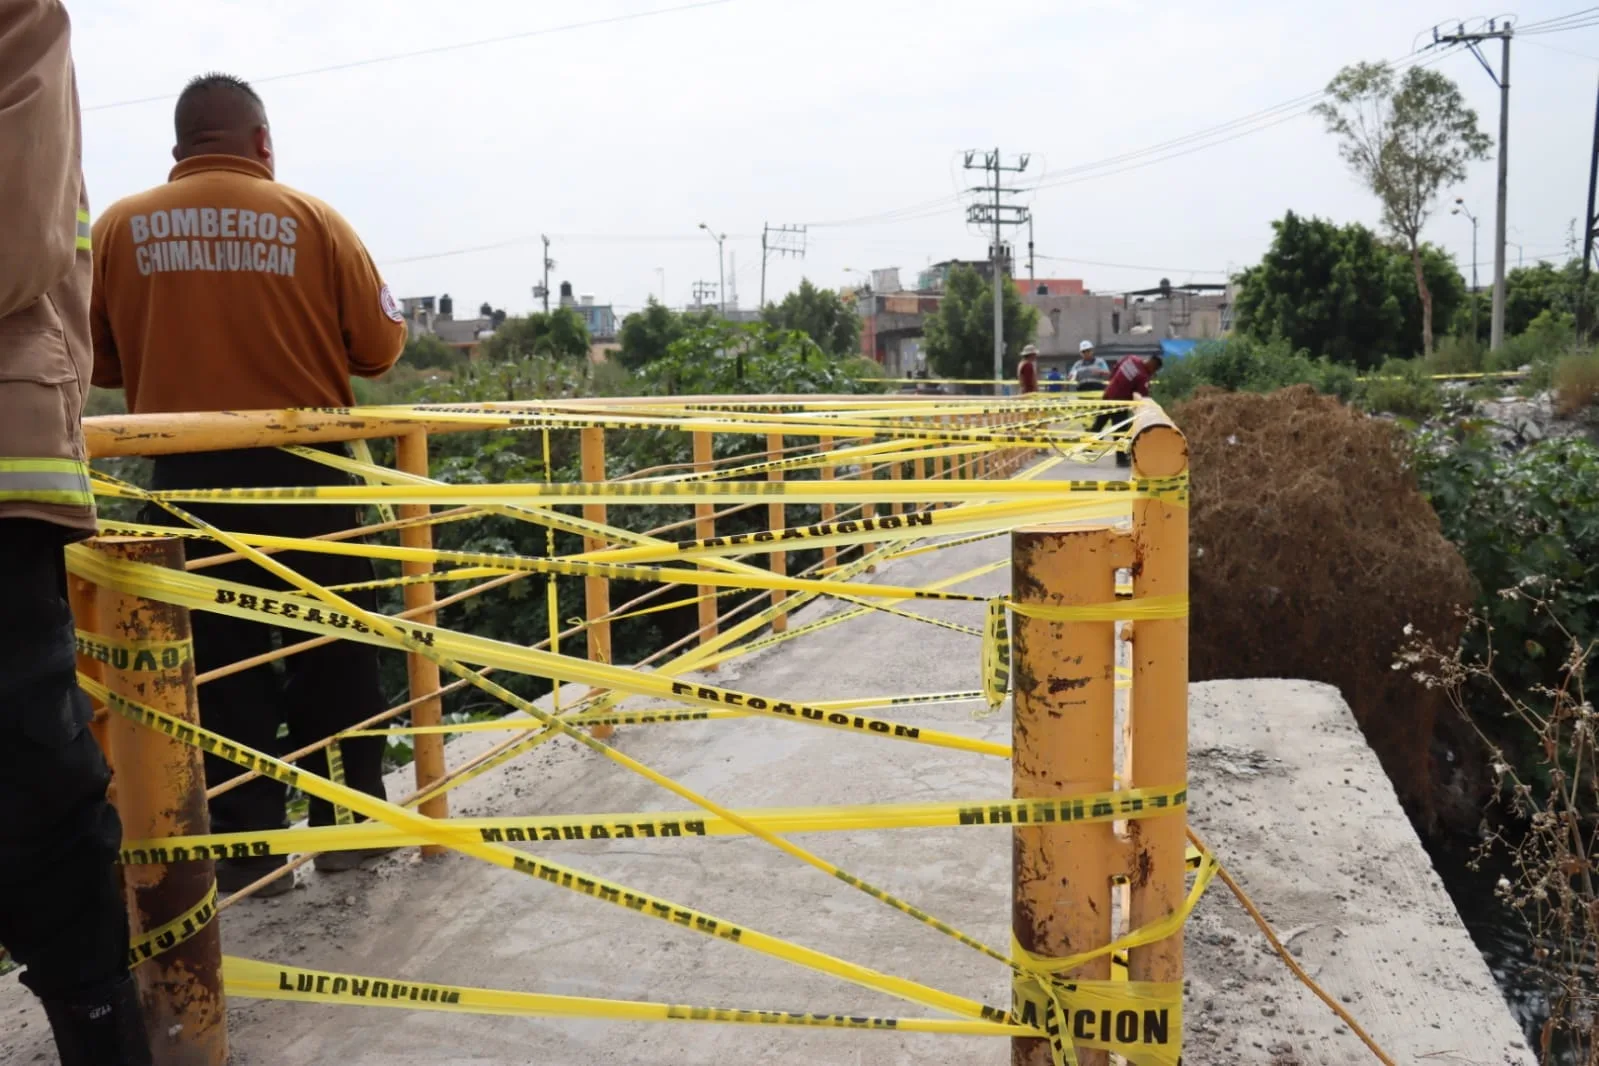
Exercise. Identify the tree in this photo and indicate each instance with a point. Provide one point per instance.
(960, 336)
(821, 314)
(427, 352)
(1341, 292)
(647, 334)
(1405, 140)
(714, 355)
(560, 334)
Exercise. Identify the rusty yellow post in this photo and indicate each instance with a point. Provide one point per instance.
(985, 457)
(411, 456)
(596, 590)
(829, 510)
(704, 529)
(896, 472)
(161, 793)
(1159, 705)
(84, 596)
(869, 510)
(1063, 743)
(921, 475)
(775, 520)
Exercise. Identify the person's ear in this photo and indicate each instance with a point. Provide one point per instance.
(176, 158)
(263, 146)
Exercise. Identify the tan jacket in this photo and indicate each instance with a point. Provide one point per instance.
(225, 290)
(45, 267)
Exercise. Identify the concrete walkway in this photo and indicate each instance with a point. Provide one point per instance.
(1283, 787)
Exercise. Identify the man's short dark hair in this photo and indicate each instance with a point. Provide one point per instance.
(189, 114)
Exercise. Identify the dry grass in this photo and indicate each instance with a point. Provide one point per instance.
(1313, 551)
(1576, 384)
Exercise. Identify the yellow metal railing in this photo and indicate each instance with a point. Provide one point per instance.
(889, 469)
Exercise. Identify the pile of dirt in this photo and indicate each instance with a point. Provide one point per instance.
(1312, 552)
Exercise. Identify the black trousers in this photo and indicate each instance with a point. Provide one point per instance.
(61, 908)
(314, 693)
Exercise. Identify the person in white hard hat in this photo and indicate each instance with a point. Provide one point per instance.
(1090, 372)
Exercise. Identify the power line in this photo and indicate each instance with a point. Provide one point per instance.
(593, 238)
(1522, 28)
(439, 49)
(1129, 266)
(1161, 152)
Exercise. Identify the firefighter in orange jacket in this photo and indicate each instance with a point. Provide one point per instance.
(61, 909)
(225, 290)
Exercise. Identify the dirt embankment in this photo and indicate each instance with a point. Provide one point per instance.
(1314, 556)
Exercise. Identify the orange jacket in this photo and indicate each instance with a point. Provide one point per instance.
(44, 271)
(224, 290)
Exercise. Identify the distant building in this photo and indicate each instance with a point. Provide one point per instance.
(599, 318)
(1132, 323)
(1167, 318)
(1049, 286)
(426, 317)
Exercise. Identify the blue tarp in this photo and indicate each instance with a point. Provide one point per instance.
(1176, 349)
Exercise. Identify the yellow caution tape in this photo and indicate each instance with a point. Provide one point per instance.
(625, 492)
(362, 451)
(1090, 807)
(1143, 608)
(1142, 1021)
(491, 563)
(197, 592)
(533, 866)
(996, 655)
(135, 655)
(185, 926)
(249, 979)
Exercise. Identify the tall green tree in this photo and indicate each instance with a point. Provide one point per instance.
(560, 334)
(1405, 138)
(646, 335)
(960, 336)
(820, 314)
(1342, 292)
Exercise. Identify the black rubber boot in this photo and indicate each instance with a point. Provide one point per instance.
(103, 1030)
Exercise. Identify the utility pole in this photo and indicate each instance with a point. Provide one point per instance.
(998, 214)
(542, 291)
(1501, 32)
(703, 289)
(779, 240)
(721, 272)
(1029, 249)
(1460, 208)
(1583, 325)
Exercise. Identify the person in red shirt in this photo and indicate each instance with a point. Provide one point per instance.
(1129, 381)
(1027, 370)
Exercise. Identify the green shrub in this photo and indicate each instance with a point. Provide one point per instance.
(1527, 520)
(1457, 355)
(1576, 381)
(1403, 388)
(1240, 364)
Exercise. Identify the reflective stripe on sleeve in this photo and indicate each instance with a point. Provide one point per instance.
(84, 231)
(61, 481)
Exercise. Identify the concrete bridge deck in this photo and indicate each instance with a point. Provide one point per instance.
(1282, 786)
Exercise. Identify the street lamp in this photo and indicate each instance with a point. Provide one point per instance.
(1460, 208)
(721, 279)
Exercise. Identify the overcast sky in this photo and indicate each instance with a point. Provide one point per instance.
(618, 138)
